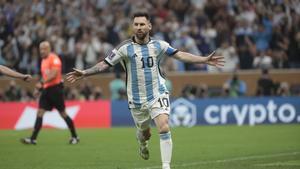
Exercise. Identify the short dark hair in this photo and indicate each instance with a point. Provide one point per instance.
(141, 14)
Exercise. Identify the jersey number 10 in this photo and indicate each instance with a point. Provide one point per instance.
(164, 102)
(147, 62)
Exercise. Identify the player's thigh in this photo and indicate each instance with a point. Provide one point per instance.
(141, 118)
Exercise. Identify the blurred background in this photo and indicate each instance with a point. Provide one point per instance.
(258, 86)
(260, 39)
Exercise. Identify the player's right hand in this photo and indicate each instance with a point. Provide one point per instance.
(38, 86)
(27, 78)
(36, 93)
(75, 75)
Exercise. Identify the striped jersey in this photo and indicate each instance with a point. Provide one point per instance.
(141, 63)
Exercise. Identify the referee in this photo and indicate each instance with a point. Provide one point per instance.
(52, 95)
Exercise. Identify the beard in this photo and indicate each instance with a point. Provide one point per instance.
(141, 35)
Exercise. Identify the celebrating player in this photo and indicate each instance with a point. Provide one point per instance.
(148, 96)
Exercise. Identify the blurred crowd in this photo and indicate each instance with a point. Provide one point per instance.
(85, 91)
(249, 33)
(233, 87)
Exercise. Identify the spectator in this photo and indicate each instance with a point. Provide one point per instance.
(85, 89)
(202, 91)
(96, 94)
(225, 90)
(294, 50)
(26, 96)
(246, 53)
(209, 33)
(265, 85)
(284, 89)
(189, 92)
(13, 92)
(230, 56)
(280, 59)
(74, 94)
(262, 37)
(236, 87)
(186, 43)
(122, 94)
(91, 49)
(116, 86)
(263, 60)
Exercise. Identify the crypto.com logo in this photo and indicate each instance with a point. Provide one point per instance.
(183, 113)
(51, 118)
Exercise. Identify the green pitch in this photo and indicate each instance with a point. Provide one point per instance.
(219, 147)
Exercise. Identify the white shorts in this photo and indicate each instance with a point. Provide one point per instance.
(142, 116)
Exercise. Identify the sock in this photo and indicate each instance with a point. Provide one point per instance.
(166, 146)
(37, 127)
(71, 126)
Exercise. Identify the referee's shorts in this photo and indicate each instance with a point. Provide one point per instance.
(53, 97)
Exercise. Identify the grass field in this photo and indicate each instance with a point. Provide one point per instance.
(218, 147)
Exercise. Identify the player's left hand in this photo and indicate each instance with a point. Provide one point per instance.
(217, 61)
(75, 75)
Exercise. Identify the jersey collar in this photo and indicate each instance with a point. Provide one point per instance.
(134, 41)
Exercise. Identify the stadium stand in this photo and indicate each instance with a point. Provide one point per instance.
(251, 34)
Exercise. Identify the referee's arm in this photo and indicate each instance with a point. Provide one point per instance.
(51, 75)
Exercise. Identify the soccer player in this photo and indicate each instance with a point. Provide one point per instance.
(52, 95)
(11, 73)
(148, 97)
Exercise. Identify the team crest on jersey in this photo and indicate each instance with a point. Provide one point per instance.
(111, 55)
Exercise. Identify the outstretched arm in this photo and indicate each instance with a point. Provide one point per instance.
(79, 74)
(9, 72)
(212, 60)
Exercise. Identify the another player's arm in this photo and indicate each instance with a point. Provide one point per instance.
(212, 60)
(9, 72)
(79, 74)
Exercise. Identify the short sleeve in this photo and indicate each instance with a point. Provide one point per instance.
(55, 62)
(167, 49)
(113, 57)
